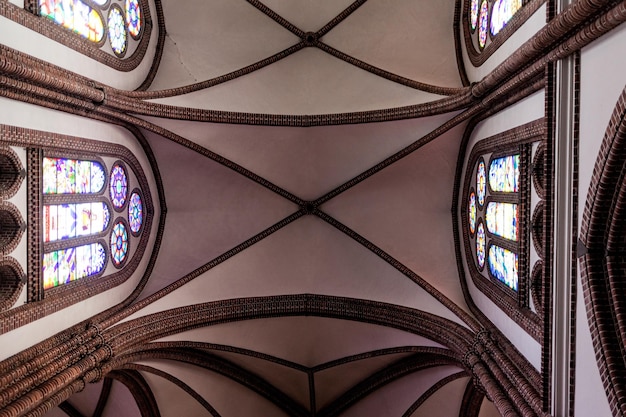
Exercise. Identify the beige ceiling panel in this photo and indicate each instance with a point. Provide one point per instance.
(172, 400)
(229, 398)
(405, 210)
(209, 38)
(121, 402)
(307, 82)
(307, 162)
(308, 15)
(445, 402)
(331, 383)
(309, 341)
(211, 209)
(86, 400)
(412, 38)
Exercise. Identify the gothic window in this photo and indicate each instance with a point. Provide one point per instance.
(78, 213)
(119, 21)
(496, 221)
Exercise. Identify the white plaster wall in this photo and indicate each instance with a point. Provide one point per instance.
(19, 37)
(521, 35)
(603, 78)
(29, 116)
(525, 111)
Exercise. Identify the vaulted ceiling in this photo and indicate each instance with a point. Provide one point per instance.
(345, 217)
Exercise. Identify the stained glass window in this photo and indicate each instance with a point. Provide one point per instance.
(66, 221)
(473, 11)
(472, 213)
(135, 213)
(502, 219)
(503, 266)
(502, 12)
(504, 174)
(117, 30)
(74, 15)
(480, 245)
(70, 176)
(481, 183)
(67, 265)
(119, 243)
(483, 23)
(133, 17)
(118, 186)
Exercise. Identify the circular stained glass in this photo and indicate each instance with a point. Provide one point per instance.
(473, 10)
(133, 18)
(483, 19)
(472, 212)
(118, 186)
(480, 245)
(481, 183)
(117, 30)
(119, 243)
(135, 213)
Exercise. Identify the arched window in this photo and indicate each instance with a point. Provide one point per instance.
(484, 21)
(86, 224)
(119, 21)
(496, 221)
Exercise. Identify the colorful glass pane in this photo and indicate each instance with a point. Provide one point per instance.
(119, 243)
(481, 183)
(480, 245)
(117, 31)
(483, 19)
(65, 221)
(504, 174)
(473, 11)
(118, 186)
(502, 219)
(472, 213)
(503, 11)
(100, 2)
(135, 212)
(63, 266)
(503, 266)
(133, 17)
(69, 176)
(74, 15)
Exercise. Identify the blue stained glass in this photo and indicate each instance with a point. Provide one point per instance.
(481, 183)
(119, 243)
(503, 265)
(504, 174)
(117, 30)
(483, 20)
(472, 213)
(502, 13)
(69, 176)
(63, 266)
(473, 10)
(133, 17)
(135, 213)
(502, 219)
(480, 245)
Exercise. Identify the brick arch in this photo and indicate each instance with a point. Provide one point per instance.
(11, 227)
(11, 172)
(603, 233)
(11, 282)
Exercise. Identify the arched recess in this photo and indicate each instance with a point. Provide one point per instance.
(12, 227)
(11, 282)
(603, 234)
(11, 172)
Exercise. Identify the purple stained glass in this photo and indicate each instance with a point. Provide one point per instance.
(119, 243)
(483, 19)
(480, 245)
(503, 266)
(69, 176)
(504, 174)
(133, 17)
(472, 213)
(74, 15)
(135, 213)
(481, 183)
(473, 13)
(118, 186)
